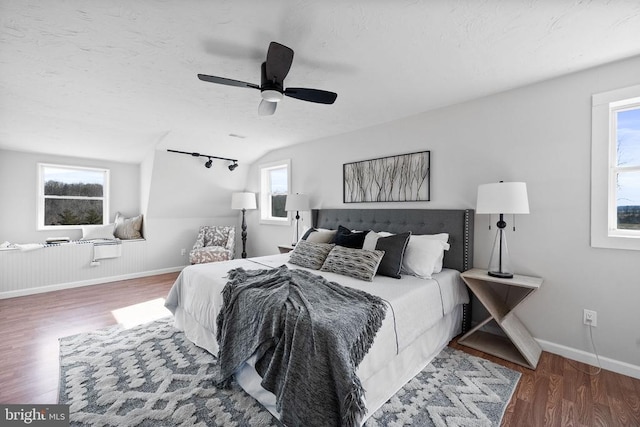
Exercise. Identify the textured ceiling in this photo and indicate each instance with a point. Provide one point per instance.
(115, 79)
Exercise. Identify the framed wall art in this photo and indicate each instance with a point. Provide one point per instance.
(401, 178)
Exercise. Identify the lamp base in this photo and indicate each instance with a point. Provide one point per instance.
(499, 263)
(500, 275)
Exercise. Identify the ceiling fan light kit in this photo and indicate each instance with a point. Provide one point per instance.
(271, 95)
(272, 74)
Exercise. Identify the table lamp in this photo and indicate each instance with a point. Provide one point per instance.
(297, 202)
(502, 198)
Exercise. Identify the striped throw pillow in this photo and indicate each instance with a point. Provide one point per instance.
(310, 254)
(359, 263)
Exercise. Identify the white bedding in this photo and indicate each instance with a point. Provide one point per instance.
(416, 307)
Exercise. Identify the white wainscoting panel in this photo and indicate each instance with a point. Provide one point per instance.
(66, 263)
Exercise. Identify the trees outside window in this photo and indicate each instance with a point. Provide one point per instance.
(71, 196)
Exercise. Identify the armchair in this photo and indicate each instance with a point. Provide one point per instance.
(214, 243)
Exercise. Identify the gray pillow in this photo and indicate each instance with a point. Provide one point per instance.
(394, 248)
(128, 228)
(310, 254)
(359, 263)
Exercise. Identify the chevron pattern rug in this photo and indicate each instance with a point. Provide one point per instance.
(151, 375)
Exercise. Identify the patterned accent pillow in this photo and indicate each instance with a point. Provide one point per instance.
(358, 263)
(310, 254)
(128, 228)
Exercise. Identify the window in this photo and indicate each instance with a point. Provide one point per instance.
(275, 181)
(624, 179)
(615, 169)
(71, 196)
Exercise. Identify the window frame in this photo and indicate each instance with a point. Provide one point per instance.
(615, 169)
(265, 194)
(604, 169)
(42, 197)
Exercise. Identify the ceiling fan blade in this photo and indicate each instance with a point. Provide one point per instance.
(225, 81)
(279, 59)
(267, 108)
(311, 95)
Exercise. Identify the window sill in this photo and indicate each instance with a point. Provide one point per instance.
(631, 243)
(275, 222)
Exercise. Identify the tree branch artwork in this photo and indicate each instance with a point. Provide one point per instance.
(402, 178)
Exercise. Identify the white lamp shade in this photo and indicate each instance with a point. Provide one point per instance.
(297, 202)
(243, 201)
(503, 198)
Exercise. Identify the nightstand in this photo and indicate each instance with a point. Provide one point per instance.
(518, 346)
(285, 248)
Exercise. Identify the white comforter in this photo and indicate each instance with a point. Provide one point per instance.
(415, 305)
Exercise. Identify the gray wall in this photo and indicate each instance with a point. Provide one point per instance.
(540, 134)
(182, 196)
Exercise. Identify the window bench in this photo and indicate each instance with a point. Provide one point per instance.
(63, 265)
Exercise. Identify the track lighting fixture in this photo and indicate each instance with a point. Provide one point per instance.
(209, 162)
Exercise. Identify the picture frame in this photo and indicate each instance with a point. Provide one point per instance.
(398, 178)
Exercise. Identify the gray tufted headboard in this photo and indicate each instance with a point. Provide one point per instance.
(457, 222)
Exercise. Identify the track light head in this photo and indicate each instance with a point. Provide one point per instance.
(209, 163)
(233, 166)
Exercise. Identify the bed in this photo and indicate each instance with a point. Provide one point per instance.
(423, 315)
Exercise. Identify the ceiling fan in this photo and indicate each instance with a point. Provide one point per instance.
(273, 72)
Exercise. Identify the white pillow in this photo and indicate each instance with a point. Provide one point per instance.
(424, 254)
(321, 235)
(304, 230)
(370, 241)
(91, 232)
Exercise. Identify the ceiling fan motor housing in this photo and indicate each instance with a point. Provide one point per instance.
(270, 89)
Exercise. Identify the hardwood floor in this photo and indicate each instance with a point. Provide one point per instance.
(555, 394)
(561, 393)
(31, 325)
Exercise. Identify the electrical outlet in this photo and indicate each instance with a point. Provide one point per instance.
(590, 318)
(183, 252)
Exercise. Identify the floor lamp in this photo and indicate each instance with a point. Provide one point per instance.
(297, 203)
(502, 198)
(243, 201)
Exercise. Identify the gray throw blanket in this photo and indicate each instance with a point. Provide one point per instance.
(309, 336)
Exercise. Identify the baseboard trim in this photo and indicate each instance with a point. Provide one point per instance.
(96, 281)
(613, 365)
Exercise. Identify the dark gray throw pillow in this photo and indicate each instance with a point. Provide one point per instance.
(394, 248)
(349, 239)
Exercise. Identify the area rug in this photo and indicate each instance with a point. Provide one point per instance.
(151, 375)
